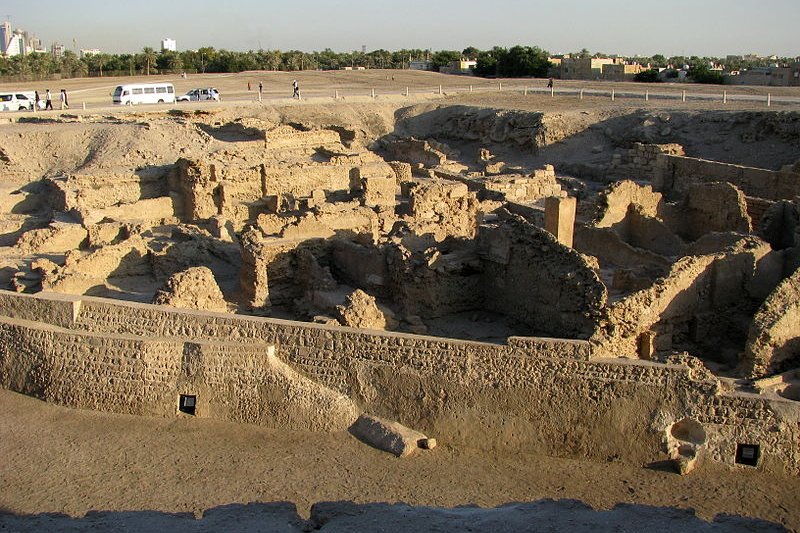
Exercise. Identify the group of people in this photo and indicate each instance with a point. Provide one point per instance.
(295, 89)
(47, 103)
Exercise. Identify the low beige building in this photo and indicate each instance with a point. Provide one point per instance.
(588, 68)
(621, 71)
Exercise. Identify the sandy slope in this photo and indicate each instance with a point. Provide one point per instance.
(54, 459)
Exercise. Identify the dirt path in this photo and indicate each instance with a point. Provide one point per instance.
(59, 460)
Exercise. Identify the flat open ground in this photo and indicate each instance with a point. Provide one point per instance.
(358, 85)
(59, 460)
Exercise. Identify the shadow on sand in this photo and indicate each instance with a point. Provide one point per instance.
(279, 517)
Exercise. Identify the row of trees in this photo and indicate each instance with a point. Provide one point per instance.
(208, 59)
(512, 62)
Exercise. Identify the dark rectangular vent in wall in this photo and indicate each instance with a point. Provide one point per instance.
(187, 404)
(747, 454)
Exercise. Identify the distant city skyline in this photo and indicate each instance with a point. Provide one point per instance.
(624, 27)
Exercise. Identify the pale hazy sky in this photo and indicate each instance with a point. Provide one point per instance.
(628, 27)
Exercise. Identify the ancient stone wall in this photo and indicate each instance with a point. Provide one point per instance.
(533, 395)
(615, 200)
(541, 183)
(530, 276)
(773, 344)
(642, 161)
(241, 383)
(713, 207)
(702, 299)
(88, 192)
(676, 174)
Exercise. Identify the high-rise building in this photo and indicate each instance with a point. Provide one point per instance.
(5, 36)
(58, 50)
(168, 44)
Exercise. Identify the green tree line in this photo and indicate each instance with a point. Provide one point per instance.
(517, 61)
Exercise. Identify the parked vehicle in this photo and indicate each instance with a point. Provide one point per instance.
(144, 93)
(195, 95)
(17, 101)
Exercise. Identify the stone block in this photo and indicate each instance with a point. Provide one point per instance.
(388, 436)
(559, 218)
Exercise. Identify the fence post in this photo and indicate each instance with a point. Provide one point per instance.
(526, 91)
(724, 97)
(373, 93)
(500, 86)
(683, 96)
(613, 95)
(336, 94)
(769, 99)
(440, 89)
(84, 106)
(647, 96)
(470, 88)
(581, 94)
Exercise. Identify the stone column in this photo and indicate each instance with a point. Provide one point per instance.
(559, 218)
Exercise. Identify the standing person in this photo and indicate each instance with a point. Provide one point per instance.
(248, 86)
(36, 100)
(63, 98)
(48, 100)
(295, 89)
(550, 83)
(260, 88)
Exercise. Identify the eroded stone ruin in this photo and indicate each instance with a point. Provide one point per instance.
(512, 279)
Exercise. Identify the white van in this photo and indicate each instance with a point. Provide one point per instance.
(144, 93)
(17, 101)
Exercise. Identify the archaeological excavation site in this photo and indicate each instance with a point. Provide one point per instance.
(590, 284)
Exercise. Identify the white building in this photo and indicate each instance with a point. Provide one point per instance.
(168, 44)
(12, 43)
(86, 52)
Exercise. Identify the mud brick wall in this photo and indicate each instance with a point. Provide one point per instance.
(533, 395)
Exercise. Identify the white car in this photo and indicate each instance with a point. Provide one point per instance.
(196, 95)
(21, 101)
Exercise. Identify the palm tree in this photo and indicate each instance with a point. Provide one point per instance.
(149, 57)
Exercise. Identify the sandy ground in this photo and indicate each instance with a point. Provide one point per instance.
(357, 85)
(59, 460)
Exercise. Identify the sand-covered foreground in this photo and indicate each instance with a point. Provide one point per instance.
(73, 462)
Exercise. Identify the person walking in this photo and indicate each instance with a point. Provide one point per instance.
(295, 89)
(63, 98)
(48, 100)
(550, 83)
(260, 88)
(36, 101)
